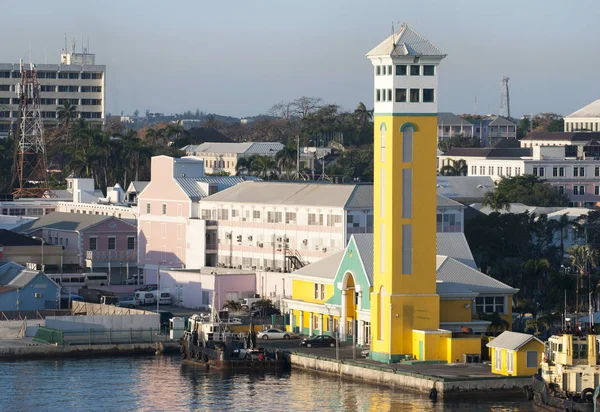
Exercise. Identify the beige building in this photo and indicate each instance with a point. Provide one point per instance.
(223, 157)
(587, 118)
(77, 79)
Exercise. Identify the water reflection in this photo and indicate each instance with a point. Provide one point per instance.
(163, 383)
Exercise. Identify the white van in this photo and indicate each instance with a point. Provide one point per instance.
(165, 297)
(145, 298)
(96, 279)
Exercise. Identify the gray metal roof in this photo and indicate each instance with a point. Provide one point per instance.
(406, 42)
(247, 148)
(264, 148)
(464, 187)
(570, 136)
(500, 121)
(288, 193)
(511, 340)
(450, 119)
(448, 289)
(361, 198)
(451, 270)
(455, 245)
(195, 192)
(137, 186)
(364, 244)
(325, 268)
(63, 221)
(443, 201)
(23, 278)
(191, 187)
(591, 110)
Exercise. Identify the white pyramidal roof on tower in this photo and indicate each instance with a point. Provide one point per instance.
(406, 42)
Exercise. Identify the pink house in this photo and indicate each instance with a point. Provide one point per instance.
(94, 242)
(194, 288)
(170, 231)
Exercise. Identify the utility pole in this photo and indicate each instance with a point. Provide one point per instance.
(298, 157)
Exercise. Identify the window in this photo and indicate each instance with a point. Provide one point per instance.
(333, 220)
(415, 70)
(382, 141)
(147, 208)
(112, 243)
(47, 88)
(535, 171)
(510, 361)
(274, 217)
(401, 70)
(500, 173)
(389, 95)
(290, 217)
(597, 190)
(93, 243)
(581, 172)
(315, 219)
(473, 170)
(541, 171)
(491, 170)
(497, 359)
(406, 193)
(575, 171)
(561, 171)
(517, 171)
(256, 214)
(532, 359)
(561, 189)
(382, 248)
(428, 70)
(66, 241)
(316, 291)
(555, 171)
(509, 171)
(400, 95)
(482, 170)
(322, 292)
(164, 208)
(489, 304)
(378, 70)
(407, 144)
(597, 171)
(427, 95)
(415, 95)
(407, 249)
(382, 194)
(130, 243)
(377, 95)
(389, 69)
(579, 190)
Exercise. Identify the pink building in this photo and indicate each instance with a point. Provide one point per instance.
(194, 288)
(93, 242)
(170, 231)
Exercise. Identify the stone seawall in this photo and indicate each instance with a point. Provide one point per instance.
(445, 386)
(51, 351)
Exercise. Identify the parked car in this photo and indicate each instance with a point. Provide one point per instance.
(133, 280)
(147, 288)
(109, 300)
(128, 302)
(318, 341)
(145, 298)
(164, 298)
(273, 334)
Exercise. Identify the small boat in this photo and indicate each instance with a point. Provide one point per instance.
(210, 342)
(569, 372)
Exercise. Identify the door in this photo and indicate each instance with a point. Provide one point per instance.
(367, 333)
(421, 350)
(578, 383)
(178, 295)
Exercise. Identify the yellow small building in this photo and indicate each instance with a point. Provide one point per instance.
(516, 354)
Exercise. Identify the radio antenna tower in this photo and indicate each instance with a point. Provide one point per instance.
(30, 177)
(504, 98)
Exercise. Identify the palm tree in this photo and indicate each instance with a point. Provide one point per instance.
(496, 201)
(582, 257)
(363, 115)
(66, 113)
(243, 165)
(535, 270)
(561, 225)
(457, 168)
(497, 321)
(262, 165)
(286, 160)
(157, 137)
(175, 129)
(233, 305)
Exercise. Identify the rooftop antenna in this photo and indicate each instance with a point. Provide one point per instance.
(82, 48)
(66, 48)
(505, 98)
(88, 44)
(73, 43)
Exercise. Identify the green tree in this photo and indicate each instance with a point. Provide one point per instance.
(532, 191)
(363, 116)
(496, 201)
(535, 272)
(66, 113)
(233, 306)
(262, 166)
(286, 161)
(498, 323)
(458, 141)
(455, 168)
(583, 258)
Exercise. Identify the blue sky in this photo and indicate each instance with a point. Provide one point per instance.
(240, 57)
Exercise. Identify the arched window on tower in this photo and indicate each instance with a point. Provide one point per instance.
(383, 129)
(407, 143)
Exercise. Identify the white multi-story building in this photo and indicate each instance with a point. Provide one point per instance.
(77, 79)
(275, 226)
(586, 118)
(573, 169)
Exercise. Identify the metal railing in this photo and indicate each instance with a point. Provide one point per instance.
(112, 255)
(99, 337)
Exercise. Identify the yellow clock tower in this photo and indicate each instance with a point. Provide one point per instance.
(404, 298)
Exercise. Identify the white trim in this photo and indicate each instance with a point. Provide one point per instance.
(512, 361)
(319, 308)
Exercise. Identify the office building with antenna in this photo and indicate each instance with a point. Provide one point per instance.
(76, 79)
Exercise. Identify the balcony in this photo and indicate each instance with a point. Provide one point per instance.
(111, 255)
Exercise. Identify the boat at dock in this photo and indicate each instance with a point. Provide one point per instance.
(212, 343)
(569, 375)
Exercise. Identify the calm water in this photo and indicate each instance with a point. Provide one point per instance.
(163, 384)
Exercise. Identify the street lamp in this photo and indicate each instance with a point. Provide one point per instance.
(42, 242)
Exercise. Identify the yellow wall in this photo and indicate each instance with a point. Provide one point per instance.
(519, 360)
(457, 347)
(305, 290)
(455, 310)
(434, 345)
(415, 304)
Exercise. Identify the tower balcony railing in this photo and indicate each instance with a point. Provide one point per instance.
(111, 255)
